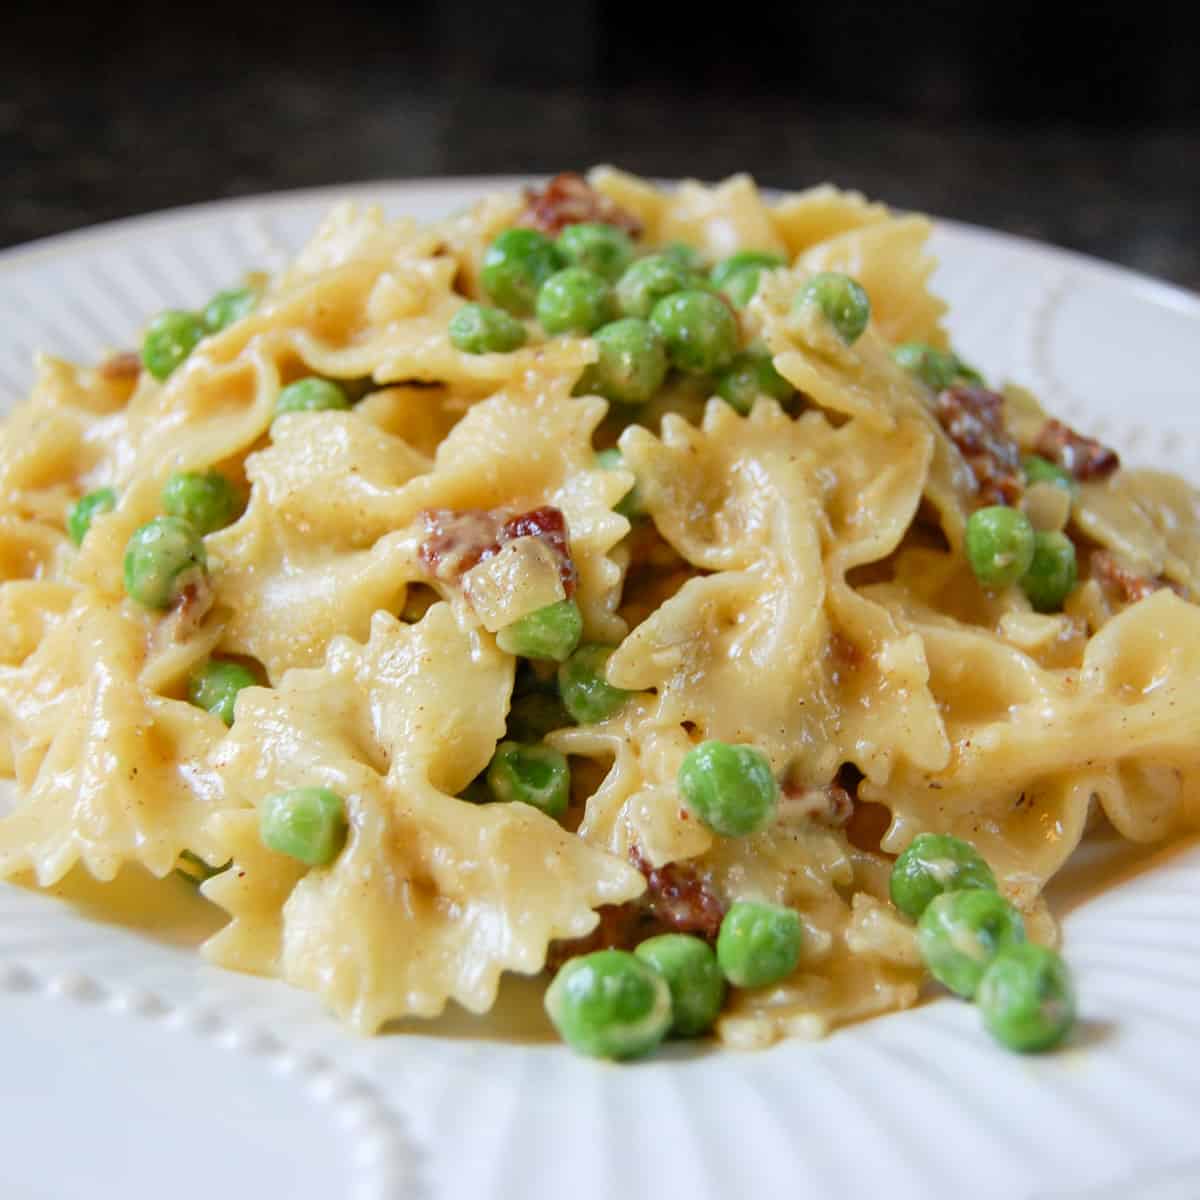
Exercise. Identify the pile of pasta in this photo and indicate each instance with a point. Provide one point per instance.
(800, 586)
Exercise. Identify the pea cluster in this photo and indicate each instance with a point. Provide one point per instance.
(973, 941)
(620, 1004)
(175, 333)
(1004, 548)
(617, 1004)
(648, 315)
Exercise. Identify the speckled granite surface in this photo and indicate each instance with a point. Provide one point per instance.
(118, 144)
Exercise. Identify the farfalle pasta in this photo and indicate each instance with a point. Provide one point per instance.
(458, 603)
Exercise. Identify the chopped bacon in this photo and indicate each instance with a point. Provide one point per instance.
(1128, 585)
(127, 364)
(973, 418)
(548, 524)
(1083, 457)
(680, 898)
(677, 900)
(455, 540)
(568, 199)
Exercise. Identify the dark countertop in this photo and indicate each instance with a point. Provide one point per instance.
(86, 150)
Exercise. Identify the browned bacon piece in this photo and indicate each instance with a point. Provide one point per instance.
(550, 525)
(568, 199)
(973, 418)
(456, 539)
(1127, 585)
(1083, 457)
(677, 900)
(127, 364)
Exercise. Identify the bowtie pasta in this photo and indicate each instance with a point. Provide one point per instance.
(628, 584)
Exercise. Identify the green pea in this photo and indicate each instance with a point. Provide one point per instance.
(1026, 998)
(999, 544)
(533, 716)
(688, 257)
(229, 306)
(574, 301)
(161, 559)
(307, 823)
(630, 505)
(535, 775)
(846, 306)
(700, 332)
(935, 863)
(648, 281)
(609, 1004)
(738, 275)
(959, 934)
(206, 501)
(1053, 572)
(515, 266)
(170, 338)
(632, 363)
(743, 259)
(731, 789)
(85, 510)
(759, 943)
(586, 693)
(311, 394)
(742, 285)
(937, 369)
(604, 250)
(214, 686)
(690, 968)
(1042, 470)
(551, 632)
(481, 329)
(750, 375)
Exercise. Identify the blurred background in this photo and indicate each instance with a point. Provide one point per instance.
(1080, 128)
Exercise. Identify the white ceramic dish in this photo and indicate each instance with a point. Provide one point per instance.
(129, 1068)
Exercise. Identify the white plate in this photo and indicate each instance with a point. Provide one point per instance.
(129, 1068)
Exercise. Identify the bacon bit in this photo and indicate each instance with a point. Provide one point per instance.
(568, 199)
(973, 418)
(125, 365)
(1128, 585)
(1083, 457)
(456, 540)
(550, 526)
(677, 900)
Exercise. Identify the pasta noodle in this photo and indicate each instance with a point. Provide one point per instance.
(796, 578)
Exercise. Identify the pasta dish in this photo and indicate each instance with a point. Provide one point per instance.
(628, 584)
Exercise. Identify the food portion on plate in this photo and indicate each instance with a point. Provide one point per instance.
(628, 584)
